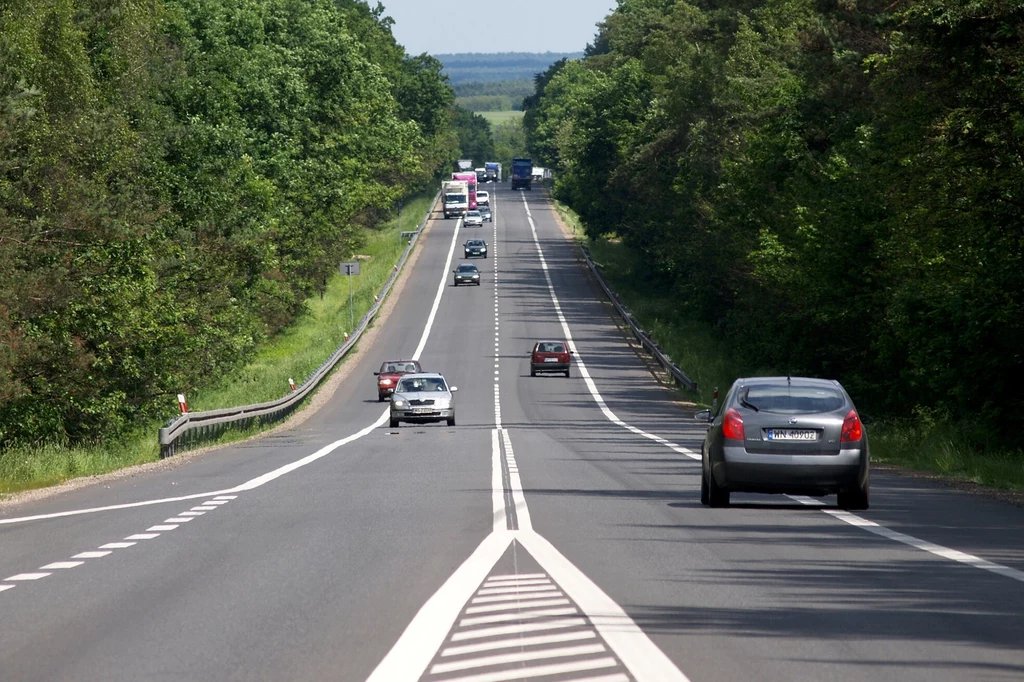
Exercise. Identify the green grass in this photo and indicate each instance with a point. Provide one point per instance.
(926, 443)
(294, 353)
(496, 117)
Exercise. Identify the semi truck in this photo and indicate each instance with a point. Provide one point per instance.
(464, 165)
(492, 171)
(455, 198)
(469, 177)
(522, 173)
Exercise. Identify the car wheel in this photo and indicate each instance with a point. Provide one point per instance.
(533, 372)
(717, 496)
(703, 488)
(451, 422)
(566, 374)
(393, 423)
(380, 398)
(854, 499)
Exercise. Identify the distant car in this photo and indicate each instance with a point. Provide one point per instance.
(483, 198)
(790, 435)
(550, 356)
(475, 248)
(473, 219)
(389, 374)
(485, 213)
(467, 273)
(422, 398)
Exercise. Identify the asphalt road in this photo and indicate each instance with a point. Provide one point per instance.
(555, 533)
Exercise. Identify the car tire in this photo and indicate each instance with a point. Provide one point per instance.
(451, 422)
(392, 423)
(717, 496)
(855, 499)
(533, 372)
(566, 374)
(704, 488)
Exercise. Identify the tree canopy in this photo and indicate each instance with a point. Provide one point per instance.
(176, 177)
(835, 186)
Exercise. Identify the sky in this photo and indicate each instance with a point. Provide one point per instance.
(495, 26)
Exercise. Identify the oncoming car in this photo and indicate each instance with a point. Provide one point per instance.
(790, 435)
(483, 198)
(467, 273)
(389, 373)
(473, 219)
(475, 248)
(423, 398)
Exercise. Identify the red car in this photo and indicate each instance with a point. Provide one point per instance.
(388, 375)
(550, 356)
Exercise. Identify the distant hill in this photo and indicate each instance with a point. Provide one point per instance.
(502, 66)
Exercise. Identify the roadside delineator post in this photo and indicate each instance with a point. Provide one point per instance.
(182, 405)
(291, 382)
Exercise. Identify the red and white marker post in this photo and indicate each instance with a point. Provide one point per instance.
(182, 405)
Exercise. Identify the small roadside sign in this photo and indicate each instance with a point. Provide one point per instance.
(349, 269)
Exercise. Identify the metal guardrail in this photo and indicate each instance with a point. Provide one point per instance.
(643, 337)
(194, 428)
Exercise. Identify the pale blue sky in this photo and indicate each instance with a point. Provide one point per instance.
(495, 25)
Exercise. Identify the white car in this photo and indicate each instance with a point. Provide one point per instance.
(483, 198)
(473, 219)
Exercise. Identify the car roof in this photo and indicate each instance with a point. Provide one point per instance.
(549, 341)
(387, 361)
(795, 381)
(468, 265)
(423, 375)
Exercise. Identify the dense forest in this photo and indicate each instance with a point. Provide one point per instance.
(501, 66)
(176, 178)
(494, 95)
(837, 187)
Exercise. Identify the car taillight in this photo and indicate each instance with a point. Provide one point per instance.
(732, 425)
(852, 429)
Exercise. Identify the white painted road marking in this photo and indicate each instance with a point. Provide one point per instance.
(26, 576)
(60, 564)
(91, 555)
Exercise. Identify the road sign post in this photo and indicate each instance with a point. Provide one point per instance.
(350, 269)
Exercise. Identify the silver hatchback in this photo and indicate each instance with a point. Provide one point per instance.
(422, 398)
(791, 435)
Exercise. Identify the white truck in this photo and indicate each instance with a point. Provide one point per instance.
(455, 198)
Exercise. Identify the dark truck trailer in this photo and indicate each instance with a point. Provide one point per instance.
(522, 173)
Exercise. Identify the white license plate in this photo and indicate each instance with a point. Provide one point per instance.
(792, 434)
(422, 410)
(550, 359)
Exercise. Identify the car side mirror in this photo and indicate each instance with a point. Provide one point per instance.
(376, 374)
(703, 416)
(454, 388)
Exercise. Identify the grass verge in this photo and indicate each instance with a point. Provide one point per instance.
(933, 445)
(294, 353)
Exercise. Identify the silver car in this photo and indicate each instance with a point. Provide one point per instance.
(422, 398)
(791, 435)
(473, 219)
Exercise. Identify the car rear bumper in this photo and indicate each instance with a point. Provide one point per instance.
(740, 471)
(548, 366)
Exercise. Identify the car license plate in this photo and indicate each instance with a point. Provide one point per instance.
(550, 359)
(791, 434)
(422, 410)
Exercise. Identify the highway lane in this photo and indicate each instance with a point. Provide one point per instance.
(317, 574)
(769, 589)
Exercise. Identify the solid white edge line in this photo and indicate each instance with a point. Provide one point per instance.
(497, 488)
(847, 517)
(440, 292)
(415, 649)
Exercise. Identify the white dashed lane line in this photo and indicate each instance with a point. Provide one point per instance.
(109, 548)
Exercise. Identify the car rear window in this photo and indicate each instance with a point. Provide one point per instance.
(551, 348)
(793, 399)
